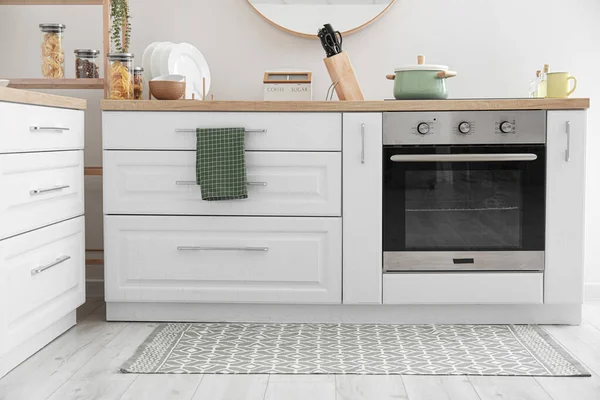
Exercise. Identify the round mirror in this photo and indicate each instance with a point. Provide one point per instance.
(305, 17)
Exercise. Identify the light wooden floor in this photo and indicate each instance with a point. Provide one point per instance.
(83, 364)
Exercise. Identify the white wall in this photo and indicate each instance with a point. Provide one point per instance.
(496, 46)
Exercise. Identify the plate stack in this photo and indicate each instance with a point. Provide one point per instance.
(166, 58)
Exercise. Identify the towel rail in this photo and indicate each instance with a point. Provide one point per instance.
(246, 131)
(193, 183)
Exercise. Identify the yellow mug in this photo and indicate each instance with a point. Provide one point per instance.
(558, 85)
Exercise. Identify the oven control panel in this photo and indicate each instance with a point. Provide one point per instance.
(464, 127)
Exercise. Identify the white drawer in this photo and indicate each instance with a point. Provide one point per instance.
(163, 182)
(39, 189)
(463, 288)
(283, 131)
(34, 300)
(223, 259)
(17, 134)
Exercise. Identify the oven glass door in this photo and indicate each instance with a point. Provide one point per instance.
(464, 199)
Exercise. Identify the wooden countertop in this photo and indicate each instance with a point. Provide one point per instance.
(346, 106)
(41, 99)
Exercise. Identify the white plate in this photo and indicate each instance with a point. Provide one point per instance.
(157, 57)
(147, 61)
(186, 60)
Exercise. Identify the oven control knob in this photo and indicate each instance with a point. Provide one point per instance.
(423, 128)
(506, 127)
(464, 128)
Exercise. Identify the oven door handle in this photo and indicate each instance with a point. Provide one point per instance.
(463, 157)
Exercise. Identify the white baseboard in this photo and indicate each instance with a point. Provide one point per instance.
(592, 290)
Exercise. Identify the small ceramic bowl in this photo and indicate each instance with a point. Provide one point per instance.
(4, 82)
(168, 87)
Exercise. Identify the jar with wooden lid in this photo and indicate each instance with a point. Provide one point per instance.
(86, 64)
(53, 54)
(120, 76)
(138, 83)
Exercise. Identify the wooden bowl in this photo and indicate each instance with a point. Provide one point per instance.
(167, 90)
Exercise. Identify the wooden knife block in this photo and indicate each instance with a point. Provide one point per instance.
(341, 72)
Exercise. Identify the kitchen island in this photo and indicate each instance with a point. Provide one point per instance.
(315, 213)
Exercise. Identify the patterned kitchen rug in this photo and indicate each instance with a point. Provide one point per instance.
(240, 348)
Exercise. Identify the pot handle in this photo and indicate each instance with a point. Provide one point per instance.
(390, 77)
(446, 74)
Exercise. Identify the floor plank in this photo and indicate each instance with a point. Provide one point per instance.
(572, 388)
(508, 387)
(232, 387)
(107, 362)
(369, 387)
(439, 388)
(163, 387)
(93, 389)
(301, 387)
(89, 307)
(42, 374)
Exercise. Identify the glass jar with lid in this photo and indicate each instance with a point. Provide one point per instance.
(120, 76)
(53, 54)
(138, 83)
(86, 63)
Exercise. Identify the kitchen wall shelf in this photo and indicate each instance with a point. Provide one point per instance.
(70, 83)
(67, 83)
(51, 2)
(93, 171)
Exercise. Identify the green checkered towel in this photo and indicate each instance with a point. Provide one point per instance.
(221, 164)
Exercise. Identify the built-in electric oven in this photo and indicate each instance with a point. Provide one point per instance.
(464, 191)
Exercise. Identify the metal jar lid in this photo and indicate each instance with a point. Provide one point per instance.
(138, 70)
(120, 56)
(53, 28)
(87, 52)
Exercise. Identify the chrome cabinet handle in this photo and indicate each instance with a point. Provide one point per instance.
(59, 260)
(47, 128)
(568, 151)
(193, 183)
(246, 131)
(362, 135)
(200, 248)
(462, 157)
(47, 190)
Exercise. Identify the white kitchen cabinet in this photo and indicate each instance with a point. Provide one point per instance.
(223, 259)
(565, 192)
(362, 207)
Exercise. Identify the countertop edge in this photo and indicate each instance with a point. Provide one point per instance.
(346, 106)
(21, 96)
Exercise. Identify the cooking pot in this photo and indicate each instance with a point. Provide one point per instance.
(421, 81)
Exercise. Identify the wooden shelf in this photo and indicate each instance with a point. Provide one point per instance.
(68, 83)
(51, 2)
(93, 171)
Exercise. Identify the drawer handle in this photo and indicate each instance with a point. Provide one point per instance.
(199, 248)
(52, 189)
(246, 131)
(48, 128)
(59, 260)
(193, 183)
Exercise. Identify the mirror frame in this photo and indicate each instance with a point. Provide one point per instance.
(307, 36)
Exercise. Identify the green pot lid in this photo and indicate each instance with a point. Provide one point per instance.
(422, 67)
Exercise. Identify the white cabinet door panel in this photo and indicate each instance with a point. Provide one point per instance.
(18, 135)
(362, 208)
(223, 259)
(282, 131)
(565, 193)
(39, 189)
(163, 182)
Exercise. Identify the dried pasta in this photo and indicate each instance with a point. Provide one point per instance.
(121, 82)
(53, 56)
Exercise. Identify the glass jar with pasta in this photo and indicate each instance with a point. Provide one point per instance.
(53, 54)
(120, 76)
